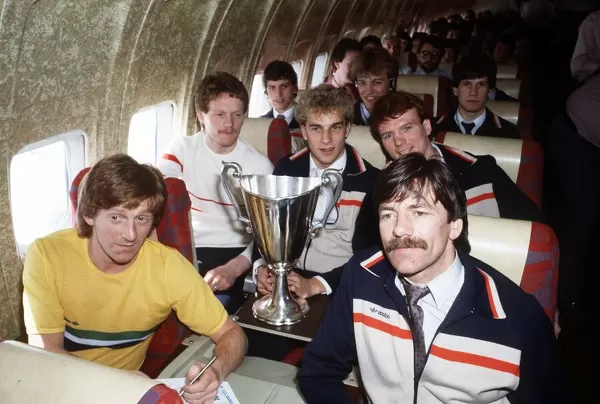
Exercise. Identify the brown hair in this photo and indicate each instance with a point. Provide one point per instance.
(119, 180)
(374, 61)
(414, 174)
(324, 99)
(393, 105)
(213, 85)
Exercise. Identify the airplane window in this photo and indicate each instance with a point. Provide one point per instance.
(150, 132)
(318, 74)
(40, 177)
(259, 104)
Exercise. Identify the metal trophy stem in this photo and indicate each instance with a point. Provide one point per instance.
(280, 214)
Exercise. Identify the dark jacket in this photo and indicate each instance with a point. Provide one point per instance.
(489, 190)
(356, 226)
(493, 126)
(496, 342)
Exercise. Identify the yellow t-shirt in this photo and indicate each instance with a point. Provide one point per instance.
(110, 319)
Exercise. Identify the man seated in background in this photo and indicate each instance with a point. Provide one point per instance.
(399, 121)
(473, 79)
(223, 247)
(281, 87)
(503, 48)
(451, 51)
(374, 72)
(325, 115)
(342, 56)
(425, 321)
(429, 56)
(100, 291)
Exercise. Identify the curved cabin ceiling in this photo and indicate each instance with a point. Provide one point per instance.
(91, 64)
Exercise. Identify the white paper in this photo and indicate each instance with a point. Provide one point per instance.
(225, 394)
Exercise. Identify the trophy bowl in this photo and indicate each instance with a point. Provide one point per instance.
(280, 216)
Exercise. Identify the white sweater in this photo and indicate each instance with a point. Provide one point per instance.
(214, 219)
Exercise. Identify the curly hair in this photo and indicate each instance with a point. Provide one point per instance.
(213, 85)
(324, 99)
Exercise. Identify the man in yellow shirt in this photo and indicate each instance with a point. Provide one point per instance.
(101, 290)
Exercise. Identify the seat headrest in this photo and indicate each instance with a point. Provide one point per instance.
(501, 243)
(507, 71)
(255, 131)
(31, 375)
(508, 110)
(511, 87)
(507, 152)
(360, 138)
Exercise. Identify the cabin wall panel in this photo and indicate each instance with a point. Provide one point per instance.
(280, 37)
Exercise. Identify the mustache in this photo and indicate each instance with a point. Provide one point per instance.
(405, 242)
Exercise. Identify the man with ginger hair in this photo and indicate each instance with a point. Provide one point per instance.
(100, 291)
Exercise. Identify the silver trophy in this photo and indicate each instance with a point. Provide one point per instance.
(280, 215)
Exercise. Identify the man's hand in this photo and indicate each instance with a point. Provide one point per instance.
(265, 280)
(204, 390)
(303, 287)
(222, 278)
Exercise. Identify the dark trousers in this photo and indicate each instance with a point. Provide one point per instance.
(210, 258)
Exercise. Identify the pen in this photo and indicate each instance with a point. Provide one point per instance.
(199, 374)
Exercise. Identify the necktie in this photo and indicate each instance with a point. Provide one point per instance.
(468, 127)
(280, 116)
(414, 293)
(325, 197)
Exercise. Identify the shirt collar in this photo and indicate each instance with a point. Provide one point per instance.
(478, 121)
(438, 151)
(364, 112)
(339, 164)
(441, 285)
(288, 113)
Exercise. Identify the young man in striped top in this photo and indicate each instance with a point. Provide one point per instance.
(223, 247)
(426, 322)
(100, 291)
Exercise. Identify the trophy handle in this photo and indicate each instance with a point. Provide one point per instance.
(237, 173)
(326, 181)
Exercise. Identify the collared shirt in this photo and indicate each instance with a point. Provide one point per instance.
(288, 113)
(364, 112)
(436, 305)
(438, 151)
(586, 56)
(478, 121)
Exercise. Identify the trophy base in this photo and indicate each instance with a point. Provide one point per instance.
(265, 309)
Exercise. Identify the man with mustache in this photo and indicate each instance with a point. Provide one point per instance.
(399, 122)
(223, 247)
(424, 320)
(374, 72)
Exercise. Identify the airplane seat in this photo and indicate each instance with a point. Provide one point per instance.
(31, 375)
(447, 66)
(255, 132)
(507, 71)
(511, 87)
(526, 252)
(521, 160)
(369, 149)
(174, 230)
(514, 113)
(440, 89)
(279, 140)
(428, 102)
(74, 193)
